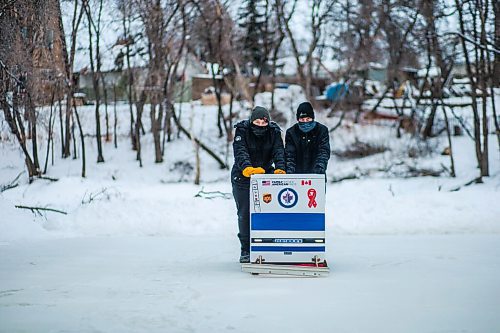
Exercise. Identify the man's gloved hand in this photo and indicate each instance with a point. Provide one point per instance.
(248, 171)
(279, 172)
(259, 170)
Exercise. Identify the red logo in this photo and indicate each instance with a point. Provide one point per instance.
(311, 194)
(306, 182)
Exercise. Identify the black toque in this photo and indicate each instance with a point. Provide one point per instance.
(305, 109)
(259, 112)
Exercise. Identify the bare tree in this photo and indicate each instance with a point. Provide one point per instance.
(164, 24)
(356, 42)
(257, 22)
(128, 40)
(75, 24)
(474, 33)
(212, 31)
(496, 66)
(50, 126)
(69, 60)
(432, 12)
(397, 41)
(94, 26)
(177, 37)
(11, 89)
(28, 66)
(277, 41)
(319, 13)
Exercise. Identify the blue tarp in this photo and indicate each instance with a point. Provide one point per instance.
(336, 91)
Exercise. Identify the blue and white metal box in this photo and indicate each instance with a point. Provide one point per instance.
(287, 218)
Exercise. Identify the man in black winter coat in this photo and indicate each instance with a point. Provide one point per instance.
(258, 148)
(307, 143)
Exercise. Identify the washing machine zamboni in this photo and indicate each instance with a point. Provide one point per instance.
(287, 225)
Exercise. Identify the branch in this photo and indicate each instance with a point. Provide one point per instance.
(5, 68)
(6, 6)
(49, 178)
(38, 209)
(213, 194)
(461, 122)
(12, 184)
(481, 46)
(93, 196)
(339, 123)
(477, 180)
(205, 148)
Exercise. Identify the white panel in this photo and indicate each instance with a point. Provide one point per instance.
(299, 194)
(287, 194)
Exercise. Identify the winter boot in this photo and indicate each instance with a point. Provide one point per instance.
(245, 257)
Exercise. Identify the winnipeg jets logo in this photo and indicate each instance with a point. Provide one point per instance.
(287, 198)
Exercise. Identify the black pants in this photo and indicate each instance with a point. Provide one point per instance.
(241, 196)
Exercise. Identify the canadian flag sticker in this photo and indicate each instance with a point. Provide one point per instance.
(306, 182)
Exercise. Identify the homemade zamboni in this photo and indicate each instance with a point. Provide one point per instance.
(287, 225)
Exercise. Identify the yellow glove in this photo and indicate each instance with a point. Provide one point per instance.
(248, 171)
(259, 170)
(279, 172)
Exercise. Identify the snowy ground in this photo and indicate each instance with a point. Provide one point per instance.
(139, 252)
(424, 283)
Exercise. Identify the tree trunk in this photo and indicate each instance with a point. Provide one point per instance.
(138, 125)
(95, 81)
(472, 75)
(105, 91)
(430, 120)
(448, 134)
(197, 159)
(49, 136)
(496, 68)
(115, 139)
(82, 140)
(220, 115)
(156, 121)
(61, 127)
(13, 119)
(485, 169)
(74, 137)
(67, 133)
(34, 145)
(202, 146)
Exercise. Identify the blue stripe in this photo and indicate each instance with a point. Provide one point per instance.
(288, 249)
(288, 221)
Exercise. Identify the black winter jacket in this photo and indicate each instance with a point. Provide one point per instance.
(307, 152)
(249, 150)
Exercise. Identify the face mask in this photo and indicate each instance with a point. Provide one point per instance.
(307, 127)
(259, 131)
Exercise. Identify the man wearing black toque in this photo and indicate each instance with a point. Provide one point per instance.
(307, 143)
(258, 148)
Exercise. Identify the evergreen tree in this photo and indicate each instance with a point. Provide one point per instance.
(252, 20)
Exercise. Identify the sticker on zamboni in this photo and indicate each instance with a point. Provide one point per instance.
(311, 194)
(288, 198)
(267, 198)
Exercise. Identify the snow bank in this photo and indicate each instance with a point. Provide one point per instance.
(361, 207)
(118, 198)
(17, 224)
(412, 206)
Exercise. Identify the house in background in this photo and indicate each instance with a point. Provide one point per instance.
(32, 45)
(116, 80)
